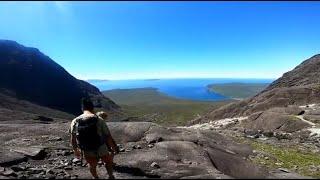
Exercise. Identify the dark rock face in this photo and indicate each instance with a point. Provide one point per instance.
(30, 75)
(12, 108)
(297, 87)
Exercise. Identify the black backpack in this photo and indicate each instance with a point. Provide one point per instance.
(87, 136)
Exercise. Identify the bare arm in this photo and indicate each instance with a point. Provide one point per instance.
(73, 142)
(74, 145)
(111, 143)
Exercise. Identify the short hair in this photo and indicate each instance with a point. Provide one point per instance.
(87, 104)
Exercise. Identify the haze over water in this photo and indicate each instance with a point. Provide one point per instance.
(193, 89)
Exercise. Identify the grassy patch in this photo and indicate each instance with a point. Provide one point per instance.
(165, 110)
(286, 157)
(238, 90)
(316, 87)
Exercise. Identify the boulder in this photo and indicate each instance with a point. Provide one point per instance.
(155, 165)
(274, 120)
(36, 170)
(168, 155)
(268, 134)
(8, 158)
(18, 168)
(9, 172)
(183, 153)
(124, 132)
(32, 152)
(4, 177)
(235, 166)
(43, 119)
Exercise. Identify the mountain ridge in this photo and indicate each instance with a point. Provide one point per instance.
(32, 76)
(299, 86)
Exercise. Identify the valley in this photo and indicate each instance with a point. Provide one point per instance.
(148, 104)
(273, 134)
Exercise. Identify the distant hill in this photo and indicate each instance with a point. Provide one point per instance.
(150, 96)
(96, 80)
(29, 75)
(297, 87)
(151, 105)
(237, 90)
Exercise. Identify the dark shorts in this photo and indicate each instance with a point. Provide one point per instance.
(102, 151)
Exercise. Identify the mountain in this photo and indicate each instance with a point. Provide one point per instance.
(29, 75)
(297, 87)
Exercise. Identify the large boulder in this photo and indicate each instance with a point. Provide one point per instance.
(176, 159)
(181, 152)
(124, 132)
(32, 152)
(8, 158)
(276, 119)
(235, 166)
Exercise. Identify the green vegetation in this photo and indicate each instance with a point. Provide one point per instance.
(303, 162)
(316, 87)
(238, 90)
(160, 108)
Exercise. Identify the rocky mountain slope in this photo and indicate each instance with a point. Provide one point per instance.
(29, 75)
(282, 122)
(300, 86)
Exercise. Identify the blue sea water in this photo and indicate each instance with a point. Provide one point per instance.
(193, 89)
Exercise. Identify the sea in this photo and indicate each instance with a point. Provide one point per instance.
(191, 88)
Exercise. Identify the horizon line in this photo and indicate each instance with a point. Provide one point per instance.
(112, 79)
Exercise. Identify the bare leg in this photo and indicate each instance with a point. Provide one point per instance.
(108, 160)
(93, 162)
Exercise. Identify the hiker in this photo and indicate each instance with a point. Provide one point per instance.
(91, 139)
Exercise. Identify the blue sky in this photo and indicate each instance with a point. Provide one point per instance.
(128, 40)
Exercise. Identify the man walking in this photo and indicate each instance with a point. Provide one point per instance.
(91, 138)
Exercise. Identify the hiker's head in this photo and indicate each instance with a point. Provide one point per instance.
(87, 105)
(102, 114)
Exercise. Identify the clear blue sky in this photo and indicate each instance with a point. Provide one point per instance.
(128, 40)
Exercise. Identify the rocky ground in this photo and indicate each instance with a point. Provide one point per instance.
(286, 139)
(41, 150)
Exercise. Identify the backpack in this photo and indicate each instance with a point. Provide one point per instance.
(87, 136)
